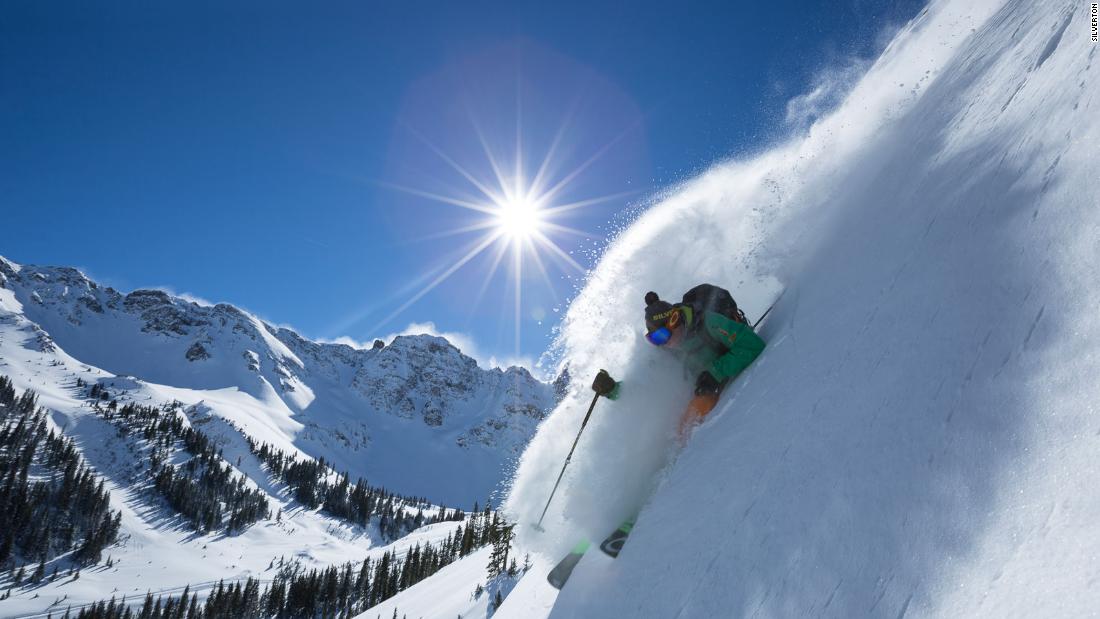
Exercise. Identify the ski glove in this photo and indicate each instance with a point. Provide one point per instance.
(605, 385)
(706, 384)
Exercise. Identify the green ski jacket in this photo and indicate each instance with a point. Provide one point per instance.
(718, 344)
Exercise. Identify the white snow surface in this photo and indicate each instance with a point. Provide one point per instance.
(920, 437)
(448, 593)
(452, 593)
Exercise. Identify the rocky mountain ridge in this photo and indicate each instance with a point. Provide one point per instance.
(418, 396)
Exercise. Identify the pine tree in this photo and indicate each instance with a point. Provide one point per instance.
(501, 538)
(486, 525)
(39, 572)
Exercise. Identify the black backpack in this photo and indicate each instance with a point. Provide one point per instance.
(711, 298)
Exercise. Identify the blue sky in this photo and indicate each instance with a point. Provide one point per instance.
(290, 159)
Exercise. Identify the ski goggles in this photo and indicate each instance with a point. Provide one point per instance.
(659, 337)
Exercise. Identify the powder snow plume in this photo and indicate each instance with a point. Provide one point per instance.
(920, 434)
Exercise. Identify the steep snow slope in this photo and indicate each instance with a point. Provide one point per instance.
(452, 593)
(920, 436)
(449, 593)
(416, 415)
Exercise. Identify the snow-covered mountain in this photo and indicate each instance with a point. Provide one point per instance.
(415, 415)
(156, 392)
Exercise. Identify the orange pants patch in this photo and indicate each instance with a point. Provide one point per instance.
(697, 409)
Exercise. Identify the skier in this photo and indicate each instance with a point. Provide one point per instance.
(712, 337)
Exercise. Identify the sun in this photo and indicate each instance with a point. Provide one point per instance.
(518, 219)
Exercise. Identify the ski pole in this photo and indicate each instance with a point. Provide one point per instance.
(601, 375)
(770, 308)
(761, 319)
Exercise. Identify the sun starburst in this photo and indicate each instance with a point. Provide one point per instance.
(517, 217)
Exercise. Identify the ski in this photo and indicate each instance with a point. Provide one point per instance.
(560, 574)
(613, 544)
